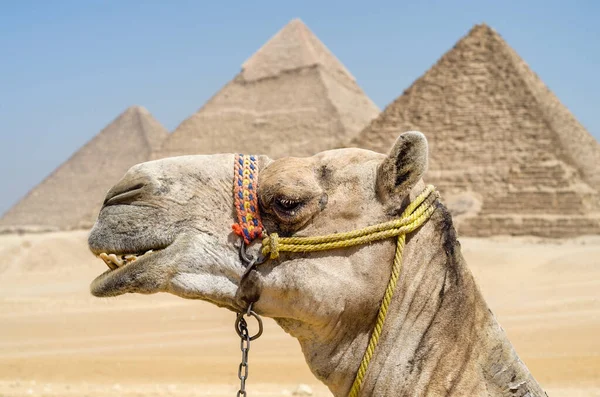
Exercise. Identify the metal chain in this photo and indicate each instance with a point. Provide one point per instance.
(241, 327)
(245, 347)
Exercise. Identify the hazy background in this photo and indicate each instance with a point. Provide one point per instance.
(68, 68)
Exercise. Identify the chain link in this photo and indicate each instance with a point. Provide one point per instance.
(241, 327)
(245, 348)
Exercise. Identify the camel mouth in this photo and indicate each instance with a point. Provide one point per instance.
(131, 272)
(114, 261)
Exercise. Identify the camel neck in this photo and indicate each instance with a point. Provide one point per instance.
(440, 338)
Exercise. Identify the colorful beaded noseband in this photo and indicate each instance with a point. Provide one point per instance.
(249, 225)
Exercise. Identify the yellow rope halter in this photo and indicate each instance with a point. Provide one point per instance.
(417, 213)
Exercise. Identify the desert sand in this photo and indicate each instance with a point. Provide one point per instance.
(58, 340)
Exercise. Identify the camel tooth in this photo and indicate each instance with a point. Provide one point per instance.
(108, 262)
(114, 259)
(148, 252)
(130, 258)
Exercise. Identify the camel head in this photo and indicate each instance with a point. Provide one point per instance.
(166, 227)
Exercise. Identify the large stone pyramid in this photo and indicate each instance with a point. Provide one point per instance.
(71, 196)
(292, 97)
(508, 157)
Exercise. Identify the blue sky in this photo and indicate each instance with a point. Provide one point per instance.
(70, 67)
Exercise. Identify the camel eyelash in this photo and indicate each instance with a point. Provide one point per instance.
(287, 204)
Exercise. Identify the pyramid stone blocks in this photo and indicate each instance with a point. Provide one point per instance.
(506, 155)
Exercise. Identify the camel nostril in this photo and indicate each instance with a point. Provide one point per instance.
(123, 195)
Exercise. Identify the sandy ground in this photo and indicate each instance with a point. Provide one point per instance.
(57, 340)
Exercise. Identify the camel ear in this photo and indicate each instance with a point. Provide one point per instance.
(404, 166)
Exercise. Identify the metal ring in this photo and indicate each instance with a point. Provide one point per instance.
(249, 268)
(260, 259)
(250, 313)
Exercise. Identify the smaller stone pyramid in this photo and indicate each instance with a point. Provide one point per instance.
(507, 156)
(71, 196)
(292, 97)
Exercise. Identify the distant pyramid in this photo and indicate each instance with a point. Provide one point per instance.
(292, 97)
(71, 196)
(506, 154)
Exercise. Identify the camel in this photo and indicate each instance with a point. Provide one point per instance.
(166, 226)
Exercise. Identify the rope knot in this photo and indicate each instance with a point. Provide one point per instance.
(274, 245)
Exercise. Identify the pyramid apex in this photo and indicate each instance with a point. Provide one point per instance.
(136, 109)
(137, 120)
(481, 27)
(482, 30)
(295, 21)
(295, 46)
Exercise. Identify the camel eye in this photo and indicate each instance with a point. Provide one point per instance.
(287, 206)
